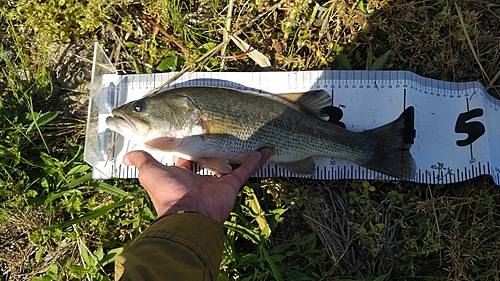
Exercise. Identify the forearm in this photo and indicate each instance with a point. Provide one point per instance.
(177, 247)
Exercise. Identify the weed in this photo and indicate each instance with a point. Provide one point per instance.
(42, 186)
(61, 20)
(298, 257)
(405, 232)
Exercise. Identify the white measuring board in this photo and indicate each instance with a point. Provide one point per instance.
(456, 124)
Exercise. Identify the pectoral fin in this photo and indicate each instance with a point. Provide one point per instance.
(217, 165)
(164, 144)
(302, 167)
(220, 126)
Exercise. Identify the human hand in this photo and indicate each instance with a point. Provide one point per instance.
(177, 188)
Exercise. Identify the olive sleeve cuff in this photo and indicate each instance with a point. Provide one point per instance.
(184, 246)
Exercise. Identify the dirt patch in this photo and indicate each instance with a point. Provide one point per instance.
(70, 66)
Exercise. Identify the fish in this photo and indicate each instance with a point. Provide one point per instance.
(218, 126)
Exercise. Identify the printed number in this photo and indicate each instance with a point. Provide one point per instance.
(497, 169)
(332, 162)
(472, 161)
(473, 129)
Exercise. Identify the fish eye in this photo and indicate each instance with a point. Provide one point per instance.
(138, 106)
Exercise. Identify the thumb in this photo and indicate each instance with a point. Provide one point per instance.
(137, 158)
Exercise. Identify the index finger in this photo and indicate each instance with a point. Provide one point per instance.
(253, 163)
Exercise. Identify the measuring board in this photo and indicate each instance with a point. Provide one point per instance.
(456, 124)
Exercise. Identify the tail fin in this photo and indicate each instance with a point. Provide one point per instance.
(392, 155)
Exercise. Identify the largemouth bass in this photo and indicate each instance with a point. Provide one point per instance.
(217, 127)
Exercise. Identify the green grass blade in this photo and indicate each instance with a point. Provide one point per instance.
(77, 181)
(113, 190)
(271, 263)
(91, 215)
(379, 63)
(369, 60)
(42, 119)
(243, 230)
(343, 62)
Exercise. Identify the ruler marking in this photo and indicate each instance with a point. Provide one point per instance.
(470, 145)
(404, 99)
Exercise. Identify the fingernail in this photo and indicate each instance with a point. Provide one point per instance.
(126, 160)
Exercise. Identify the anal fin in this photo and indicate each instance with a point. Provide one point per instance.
(302, 167)
(217, 165)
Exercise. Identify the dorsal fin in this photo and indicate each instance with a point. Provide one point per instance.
(311, 102)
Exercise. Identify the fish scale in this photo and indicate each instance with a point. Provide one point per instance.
(277, 125)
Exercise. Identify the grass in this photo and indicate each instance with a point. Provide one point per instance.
(58, 224)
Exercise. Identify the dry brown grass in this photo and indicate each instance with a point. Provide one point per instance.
(441, 232)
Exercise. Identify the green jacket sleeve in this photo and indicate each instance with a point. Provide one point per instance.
(177, 247)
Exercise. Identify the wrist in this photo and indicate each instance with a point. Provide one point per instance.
(172, 211)
(176, 213)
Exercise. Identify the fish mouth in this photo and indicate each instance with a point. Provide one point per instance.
(121, 122)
